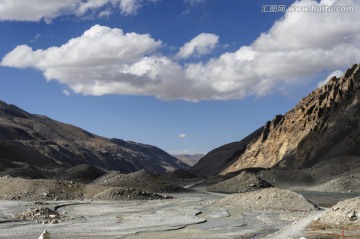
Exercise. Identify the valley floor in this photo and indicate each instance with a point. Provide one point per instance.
(187, 214)
(190, 215)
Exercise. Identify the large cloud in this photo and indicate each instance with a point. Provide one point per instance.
(107, 61)
(101, 61)
(36, 10)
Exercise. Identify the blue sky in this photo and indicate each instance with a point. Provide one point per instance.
(184, 75)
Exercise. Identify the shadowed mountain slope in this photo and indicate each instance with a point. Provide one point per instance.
(40, 142)
(220, 158)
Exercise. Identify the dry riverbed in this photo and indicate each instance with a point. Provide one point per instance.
(193, 215)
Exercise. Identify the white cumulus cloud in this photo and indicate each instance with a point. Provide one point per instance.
(109, 61)
(202, 44)
(182, 135)
(37, 10)
(101, 61)
(299, 45)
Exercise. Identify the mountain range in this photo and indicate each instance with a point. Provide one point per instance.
(37, 146)
(322, 126)
(189, 159)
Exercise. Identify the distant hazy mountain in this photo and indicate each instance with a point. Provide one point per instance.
(323, 125)
(37, 145)
(189, 159)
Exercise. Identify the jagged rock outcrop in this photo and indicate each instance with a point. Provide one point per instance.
(36, 146)
(323, 125)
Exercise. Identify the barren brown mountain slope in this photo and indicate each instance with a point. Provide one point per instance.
(323, 125)
(36, 146)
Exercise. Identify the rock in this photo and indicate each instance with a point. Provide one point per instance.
(45, 235)
(345, 215)
(352, 216)
(42, 215)
(335, 208)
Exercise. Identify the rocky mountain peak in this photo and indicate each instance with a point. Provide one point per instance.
(323, 125)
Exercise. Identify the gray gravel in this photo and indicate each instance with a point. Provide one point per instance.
(188, 216)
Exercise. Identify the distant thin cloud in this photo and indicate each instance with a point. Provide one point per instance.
(35, 38)
(194, 2)
(66, 92)
(105, 14)
(182, 136)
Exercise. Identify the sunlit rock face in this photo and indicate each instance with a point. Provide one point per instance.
(323, 125)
